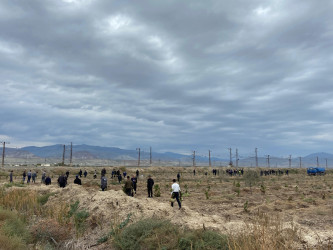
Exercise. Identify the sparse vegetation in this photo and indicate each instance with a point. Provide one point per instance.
(47, 220)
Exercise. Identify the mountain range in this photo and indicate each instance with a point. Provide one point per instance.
(87, 152)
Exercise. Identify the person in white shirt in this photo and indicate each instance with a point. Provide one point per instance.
(175, 193)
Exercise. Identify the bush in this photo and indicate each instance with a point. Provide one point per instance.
(203, 239)
(13, 233)
(148, 234)
(11, 243)
(162, 234)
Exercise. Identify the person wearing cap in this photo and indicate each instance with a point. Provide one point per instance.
(77, 180)
(150, 184)
(175, 193)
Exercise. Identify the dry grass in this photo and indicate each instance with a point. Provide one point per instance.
(266, 232)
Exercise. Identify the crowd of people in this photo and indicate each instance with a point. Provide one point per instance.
(130, 183)
(234, 171)
(274, 172)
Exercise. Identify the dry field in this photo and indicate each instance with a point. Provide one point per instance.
(292, 211)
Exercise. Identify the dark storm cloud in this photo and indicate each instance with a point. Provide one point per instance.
(174, 75)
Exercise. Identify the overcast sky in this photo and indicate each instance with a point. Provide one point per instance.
(175, 75)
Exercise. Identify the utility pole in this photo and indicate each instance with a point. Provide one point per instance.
(237, 158)
(63, 156)
(268, 164)
(289, 161)
(193, 158)
(150, 159)
(210, 163)
(230, 159)
(326, 162)
(317, 161)
(139, 156)
(256, 152)
(71, 155)
(3, 153)
(300, 162)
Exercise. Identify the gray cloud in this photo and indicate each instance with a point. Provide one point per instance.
(177, 76)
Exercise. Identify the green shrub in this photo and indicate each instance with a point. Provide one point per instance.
(13, 231)
(154, 233)
(202, 240)
(79, 217)
(14, 184)
(42, 199)
(157, 191)
(148, 234)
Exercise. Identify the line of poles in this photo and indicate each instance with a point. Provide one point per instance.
(268, 157)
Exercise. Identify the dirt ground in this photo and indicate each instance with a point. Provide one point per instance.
(225, 203)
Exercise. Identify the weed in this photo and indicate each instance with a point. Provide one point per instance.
(207, 194)
(186, 188)
(157, 190)
(79, 217)
(262, 188)
(245, 206)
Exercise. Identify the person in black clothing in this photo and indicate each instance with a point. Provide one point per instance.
(103, 172)
(80, 173)
(193, 171)
(67, 173)
(77, 180)
(85, 173)
(150, 184)
(119, 178)
(48, 180)
(178, 176)
(62, 181)
(137, 173)
(134, 181)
